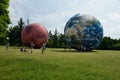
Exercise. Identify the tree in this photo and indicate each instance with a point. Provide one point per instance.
(55, 39)
(50, 41)
(20, 26)
(15, 33)
(4, 20)
(109, 44)
(62, 43)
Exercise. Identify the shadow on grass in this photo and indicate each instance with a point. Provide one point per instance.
(72, 50)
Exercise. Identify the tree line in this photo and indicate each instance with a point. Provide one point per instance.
(56, 40)
(4, 20)
(109, 44)
(59, 41)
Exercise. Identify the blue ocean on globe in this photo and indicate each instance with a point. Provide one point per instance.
(83, 32)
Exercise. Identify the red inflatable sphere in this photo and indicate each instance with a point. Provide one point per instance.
(34, 33)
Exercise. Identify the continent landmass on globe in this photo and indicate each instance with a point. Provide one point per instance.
(83, 32)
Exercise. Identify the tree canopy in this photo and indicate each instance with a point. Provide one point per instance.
(4, 19)
(15, 33)
(57, 40)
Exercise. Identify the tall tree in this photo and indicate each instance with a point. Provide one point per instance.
(50, 41)
(109, 44)
(20, 26)
(15, 33)
(62, 43)
(55, 39)
(4, 19)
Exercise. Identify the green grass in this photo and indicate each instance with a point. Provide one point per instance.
(58, 64)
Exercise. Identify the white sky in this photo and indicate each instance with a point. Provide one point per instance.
(54, 14)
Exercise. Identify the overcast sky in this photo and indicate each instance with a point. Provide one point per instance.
(54, 14)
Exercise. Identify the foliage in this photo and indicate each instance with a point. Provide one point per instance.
(15, 33)
(4, 19)
(58, 64)
(57, 40)
(110, 44)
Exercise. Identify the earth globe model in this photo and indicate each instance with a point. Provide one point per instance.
(36, 34)
(83, 32)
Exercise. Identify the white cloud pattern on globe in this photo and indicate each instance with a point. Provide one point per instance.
(83, 32)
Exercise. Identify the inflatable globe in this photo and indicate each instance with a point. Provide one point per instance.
(34, 33)
(83, 32)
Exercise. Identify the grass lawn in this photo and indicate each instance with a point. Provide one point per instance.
(58, 64)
